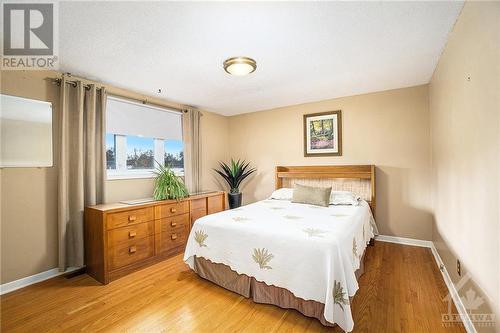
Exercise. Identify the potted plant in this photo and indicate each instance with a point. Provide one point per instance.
(234, 175)
(168, 185)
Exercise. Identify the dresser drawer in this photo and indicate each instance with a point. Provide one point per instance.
(127, 253)
(174, 209)
(124, 234)
(174, 222)
(122, 219)
(215, 204)
(174, 238)
(197, 213)
(199, 204)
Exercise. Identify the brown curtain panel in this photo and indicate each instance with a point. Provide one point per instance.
(192, 149)
(82, 164)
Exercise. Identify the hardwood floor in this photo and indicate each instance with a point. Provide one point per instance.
(401, 291)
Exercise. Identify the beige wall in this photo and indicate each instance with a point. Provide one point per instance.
(28, 201)
(389, 129)
(465, 127)
(215, 141)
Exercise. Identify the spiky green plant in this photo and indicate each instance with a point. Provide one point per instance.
(168, 185)
(339, 295)
(262, 257)
(235, 173)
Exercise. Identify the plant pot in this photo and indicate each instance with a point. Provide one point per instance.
(234, 200)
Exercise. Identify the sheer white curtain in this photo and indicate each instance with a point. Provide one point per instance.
(81, 164)
(192, 149)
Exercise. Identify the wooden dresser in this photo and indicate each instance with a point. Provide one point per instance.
(121, 238)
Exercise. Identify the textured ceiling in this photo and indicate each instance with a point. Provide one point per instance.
(305, 51)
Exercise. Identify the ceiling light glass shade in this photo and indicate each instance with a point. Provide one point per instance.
(240, 65)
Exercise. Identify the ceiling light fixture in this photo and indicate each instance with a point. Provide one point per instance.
(240, 65)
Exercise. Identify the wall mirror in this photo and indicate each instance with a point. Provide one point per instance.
(25, 132)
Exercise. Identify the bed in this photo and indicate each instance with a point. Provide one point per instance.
(292, 255)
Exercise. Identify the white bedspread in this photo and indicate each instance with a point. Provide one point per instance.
(309, 250)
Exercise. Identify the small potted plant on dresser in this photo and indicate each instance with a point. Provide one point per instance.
(168, 185)
(234, 174)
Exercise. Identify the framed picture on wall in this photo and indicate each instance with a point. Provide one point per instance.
(323, 134)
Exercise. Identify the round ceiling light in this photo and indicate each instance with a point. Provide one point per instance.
(240, 65)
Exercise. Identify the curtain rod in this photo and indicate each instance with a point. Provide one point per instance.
(142, 101)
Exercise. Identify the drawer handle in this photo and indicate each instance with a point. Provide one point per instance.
(132, 249)
(173, 210)
(132, 218)
(174, 236)
(132, 234)
(173, 224)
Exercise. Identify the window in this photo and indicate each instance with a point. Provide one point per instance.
(140, 136)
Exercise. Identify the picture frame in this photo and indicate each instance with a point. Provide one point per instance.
(323, 134)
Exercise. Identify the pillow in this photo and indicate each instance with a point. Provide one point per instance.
(318, 196)
(282, 194)
(343, 198)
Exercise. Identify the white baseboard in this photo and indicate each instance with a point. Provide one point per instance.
(29, 280)
(468, 325)
(404, 241)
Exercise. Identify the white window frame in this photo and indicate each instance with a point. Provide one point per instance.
(121, 171)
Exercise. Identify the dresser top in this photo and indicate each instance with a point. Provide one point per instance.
(118, 206)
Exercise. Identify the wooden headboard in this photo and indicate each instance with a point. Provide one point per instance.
(359, 179)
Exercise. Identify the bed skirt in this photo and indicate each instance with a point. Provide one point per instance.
(260, 292)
